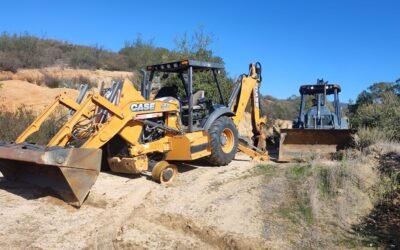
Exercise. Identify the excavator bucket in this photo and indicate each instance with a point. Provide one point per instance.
(70, 172)
(296, 144)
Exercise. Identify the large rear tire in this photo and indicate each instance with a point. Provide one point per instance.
(223, 140)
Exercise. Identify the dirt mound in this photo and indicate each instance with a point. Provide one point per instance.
(272, 132)
(37, 76)
(15, 93)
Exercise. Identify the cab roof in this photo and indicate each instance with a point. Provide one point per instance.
(179, 66)
(319, 89)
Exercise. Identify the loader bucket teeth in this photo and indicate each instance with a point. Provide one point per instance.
(69, 172)
(300, 143)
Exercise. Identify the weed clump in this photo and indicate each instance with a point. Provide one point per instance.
(266, 169)
(72, 83)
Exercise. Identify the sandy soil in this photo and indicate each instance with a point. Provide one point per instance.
(36, 75)
(14, 93)
(206, 207)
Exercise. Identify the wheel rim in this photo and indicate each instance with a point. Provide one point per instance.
(227, 140)
(167, 175)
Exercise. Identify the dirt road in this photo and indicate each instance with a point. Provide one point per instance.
(207, 208)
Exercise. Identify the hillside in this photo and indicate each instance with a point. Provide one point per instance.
(16, 93)
(38, 76)
(28, 87)
(26, 51)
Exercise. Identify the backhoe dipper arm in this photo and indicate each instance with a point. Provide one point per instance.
(248, 88)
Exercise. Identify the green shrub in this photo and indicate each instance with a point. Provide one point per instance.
(266, 169)
(51, 81)
(27, 51)
(12, 124)
(300, 170)
(84, 57)
(9, 63)
(379, 108)
(75, 82)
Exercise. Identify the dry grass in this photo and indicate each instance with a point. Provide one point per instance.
(332, 204)
(385, 147)
(326, 198)
(366, 137)
(331, 185)
(67, 82)
(61, 76)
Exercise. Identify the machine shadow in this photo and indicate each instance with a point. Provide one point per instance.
(26, 190)
(128, 176)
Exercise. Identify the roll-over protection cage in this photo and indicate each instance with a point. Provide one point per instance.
(181, 68)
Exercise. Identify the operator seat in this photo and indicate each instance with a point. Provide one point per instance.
(199, 95)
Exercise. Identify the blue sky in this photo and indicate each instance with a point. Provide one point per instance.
(353, 43)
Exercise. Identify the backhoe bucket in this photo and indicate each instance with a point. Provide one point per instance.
(70, 172)
(296, 144)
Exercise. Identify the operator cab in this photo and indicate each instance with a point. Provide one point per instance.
(319, 116)
(195, 107)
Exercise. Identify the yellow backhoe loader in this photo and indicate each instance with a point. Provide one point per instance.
(126, 131)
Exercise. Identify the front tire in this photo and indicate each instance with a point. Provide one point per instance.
(224, 141)
(163, 172)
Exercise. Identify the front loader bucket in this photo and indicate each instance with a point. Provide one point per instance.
(70, 172)
(300, 143)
